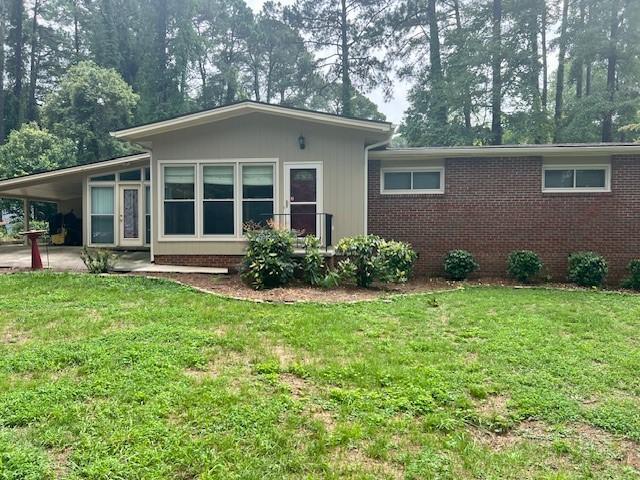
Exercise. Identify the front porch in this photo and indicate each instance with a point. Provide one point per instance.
(67, 259)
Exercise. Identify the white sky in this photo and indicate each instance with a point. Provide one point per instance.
(394, 108)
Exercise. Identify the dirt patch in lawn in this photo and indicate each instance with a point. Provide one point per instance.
(353, 460)
(60, 461)
(10, 336)
(232, 286)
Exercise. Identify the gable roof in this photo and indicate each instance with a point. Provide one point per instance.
(245, 107)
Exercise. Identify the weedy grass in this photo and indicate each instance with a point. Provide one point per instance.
(118, 377)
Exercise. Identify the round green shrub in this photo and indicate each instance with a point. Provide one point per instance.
(633, 281)
(459, 264)
(587, 269)
(523, 265)
(269, 261)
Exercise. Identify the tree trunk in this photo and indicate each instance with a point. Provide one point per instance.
(545, 59)
(18, 74)
(33, 64)
(347, 109)
(3, 128)
(579, 67)
(588, 84)
(76, 30)
(438, 102)
(536, 103)
(612, 60)
(466, 107)
(562, 53)
(160, 47)
(496, 88)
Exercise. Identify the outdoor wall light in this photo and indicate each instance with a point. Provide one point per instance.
(302, 142)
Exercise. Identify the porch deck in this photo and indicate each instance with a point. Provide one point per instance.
(67, 259)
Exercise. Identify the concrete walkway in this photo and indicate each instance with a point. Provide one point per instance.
(67, 259)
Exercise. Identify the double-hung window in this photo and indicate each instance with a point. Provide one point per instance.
(257, 193)
(179, 200)
(102, 215)
(588, 178)
(412, 180)
(218, 204)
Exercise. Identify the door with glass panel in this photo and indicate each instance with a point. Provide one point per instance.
(303, 197)
(130, 201)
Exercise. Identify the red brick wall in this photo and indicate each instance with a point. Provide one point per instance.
(232, 262)
(494, 206)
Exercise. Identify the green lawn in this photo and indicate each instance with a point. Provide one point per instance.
(130, 378)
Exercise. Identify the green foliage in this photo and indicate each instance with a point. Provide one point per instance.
(459, 264)
(633, 281)
(32, 149)
(587, 269)
(370, 258)
(98, 260)
(523, 265)
(90, 102)
(313, 263)
(268, 262)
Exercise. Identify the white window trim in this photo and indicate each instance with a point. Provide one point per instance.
(432, 191)
(199, 163)
(116, 188)
(607, 174)
(236, 184)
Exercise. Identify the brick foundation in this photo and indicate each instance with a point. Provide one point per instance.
(232, 262)
(494, 206)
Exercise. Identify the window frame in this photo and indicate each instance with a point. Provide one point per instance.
(412, 191)
(240, 195)
(193, 200)
(575, 167)
(199, 193)
(202, 200)
(114, 190)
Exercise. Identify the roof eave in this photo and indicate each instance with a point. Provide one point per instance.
(235, 110)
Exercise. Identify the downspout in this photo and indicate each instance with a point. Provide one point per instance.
(366, 178)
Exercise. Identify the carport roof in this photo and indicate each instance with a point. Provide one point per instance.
(63, 183)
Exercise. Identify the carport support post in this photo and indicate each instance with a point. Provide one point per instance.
(26, 218)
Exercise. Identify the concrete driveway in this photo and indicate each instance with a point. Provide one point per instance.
(67, 259)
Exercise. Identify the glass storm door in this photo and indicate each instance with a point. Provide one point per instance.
(304, 191)
(130, 218)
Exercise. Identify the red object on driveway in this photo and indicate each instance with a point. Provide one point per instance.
(33, 236)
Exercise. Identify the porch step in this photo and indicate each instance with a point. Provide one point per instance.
(152, 268)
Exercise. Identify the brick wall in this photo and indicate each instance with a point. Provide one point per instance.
(232, 262)
(494, 206)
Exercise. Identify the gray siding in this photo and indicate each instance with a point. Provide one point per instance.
(340, 150)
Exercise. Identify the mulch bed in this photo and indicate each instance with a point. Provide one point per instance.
(233, 287)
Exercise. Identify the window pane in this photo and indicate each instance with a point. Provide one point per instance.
(147, 229)
(558, 178)
(102, 229)
(179, 183)
(426, 180)
(591, 178)
(303, 185)
(218, 182)
(147, 200)
(218, 218)
(303, 219)
(179, 218)
(102, 200)
(257, 181)
(104, 178)
(257, 212)
(397, 181)
(147, 174)
(132, 175)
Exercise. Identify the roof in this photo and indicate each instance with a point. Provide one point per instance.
(245, 107)
(549, 150)
(85, 168)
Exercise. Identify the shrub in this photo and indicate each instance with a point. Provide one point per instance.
(97, 260)
(587, 269)
(397, 261)
(370, 258)
(524, 265)
(633, 281)
(268, 262)
(459, 264)
(313, 263)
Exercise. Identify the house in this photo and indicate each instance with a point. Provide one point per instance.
(205, 174)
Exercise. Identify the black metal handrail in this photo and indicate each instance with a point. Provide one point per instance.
(326, 225)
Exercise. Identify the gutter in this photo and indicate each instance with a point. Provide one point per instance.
(366, 178)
